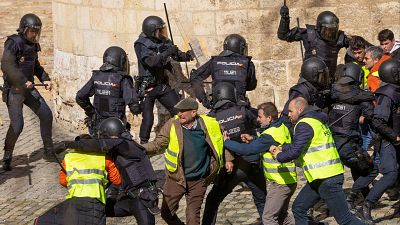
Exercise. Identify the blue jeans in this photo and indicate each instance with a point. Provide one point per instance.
(365, 135)
(331, 191)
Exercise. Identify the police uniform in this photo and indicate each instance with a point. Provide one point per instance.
(138, 194)
(350, 103)
(314, 148)
(386, 122)
(229, 67)
(313, 44)
(112, 90)
(236, 120)
(152, 61)
(19, 64)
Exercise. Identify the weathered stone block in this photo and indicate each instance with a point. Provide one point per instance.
(204, 23)
(115, 4)
(195, 5)
(140, 4)
(126, 21)
(274, 72)
(238, 4)
(83, 18)
(229, 22)
(100, 22)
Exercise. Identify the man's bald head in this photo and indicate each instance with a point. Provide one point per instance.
(297, 106)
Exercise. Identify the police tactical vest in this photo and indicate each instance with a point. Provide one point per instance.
(173, 151)
(86, 175)
(234, 121)
(134, 166)
(26, 56)
(348, 125)
(158, 71)
(274, 171)
(393, 92)
(320, 159)
(315, 46)
(231, 69)
(108, 100)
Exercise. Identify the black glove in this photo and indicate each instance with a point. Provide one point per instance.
(171, 51)
(190, 55)
(60, 147)
(135, 108)
(284, 11)
(206, 103)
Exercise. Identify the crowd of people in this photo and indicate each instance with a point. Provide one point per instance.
(333, 117)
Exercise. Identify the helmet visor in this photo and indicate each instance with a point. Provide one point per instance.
(32, 33)
(163, 33)
(323, 78)
(329, 32)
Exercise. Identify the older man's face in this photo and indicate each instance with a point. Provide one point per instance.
(186, 117)
(369, 62)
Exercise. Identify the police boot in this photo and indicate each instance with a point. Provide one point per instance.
(366, 213)
(7, 160)
(48, 152)
(351, 200)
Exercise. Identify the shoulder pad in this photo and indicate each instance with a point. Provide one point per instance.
(144, 41)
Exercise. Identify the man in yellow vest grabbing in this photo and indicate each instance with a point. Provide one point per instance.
(193, 157)
(282, 177)
(314, 148)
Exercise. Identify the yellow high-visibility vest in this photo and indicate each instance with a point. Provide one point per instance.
(171, 154)
(321, 159)
(86, 175)
(281, 173)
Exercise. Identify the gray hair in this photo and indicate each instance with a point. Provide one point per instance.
(376, 52)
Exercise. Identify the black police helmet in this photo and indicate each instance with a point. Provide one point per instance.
(115, 57)
(111, 127)
(151, 24)
(235, 43)
(354, 72)
(224, 91)
(315, 71)
(389, 71)
(328, 26)
(31, 21)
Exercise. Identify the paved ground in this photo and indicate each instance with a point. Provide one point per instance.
(32, 186)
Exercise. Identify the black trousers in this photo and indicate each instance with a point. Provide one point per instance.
(128, 206)
(167, 97)
(250, 173)
(37, 104)
(74, 211)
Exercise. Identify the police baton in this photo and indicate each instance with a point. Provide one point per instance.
(340, 118)
(301, 42)
(170, 33)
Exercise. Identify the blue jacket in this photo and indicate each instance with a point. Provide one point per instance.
(303, 134)
(259, 145)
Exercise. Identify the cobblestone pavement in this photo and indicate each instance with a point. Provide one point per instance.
(32, 186)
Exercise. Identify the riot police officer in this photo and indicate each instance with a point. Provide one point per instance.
(313, 85)
(350, 103)
(154, 52)
(112, 88)
(235, 119)
(323, 40)
(386, 122)
(19, 65)
(138, 195)
(231, 65)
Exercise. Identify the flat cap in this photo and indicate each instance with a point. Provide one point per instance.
(187, 104)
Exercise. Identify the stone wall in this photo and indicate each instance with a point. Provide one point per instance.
(83, 29)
